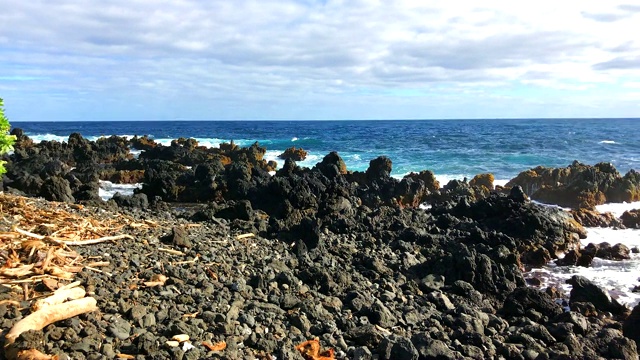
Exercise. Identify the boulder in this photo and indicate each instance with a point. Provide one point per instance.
(293, 153)
(522, 299)
(584, 290)
(379, 169)
(57, 188)
(332, 165)
(631, 219)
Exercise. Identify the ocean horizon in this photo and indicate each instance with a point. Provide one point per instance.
(307, 120)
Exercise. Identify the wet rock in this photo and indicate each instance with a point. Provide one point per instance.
(584, 290)
(631, 219)
(593, 218)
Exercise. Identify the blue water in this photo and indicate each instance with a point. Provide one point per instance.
(450, 148)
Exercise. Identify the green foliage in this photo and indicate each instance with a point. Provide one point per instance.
(6, 140)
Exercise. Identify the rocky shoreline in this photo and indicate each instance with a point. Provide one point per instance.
(345, 257)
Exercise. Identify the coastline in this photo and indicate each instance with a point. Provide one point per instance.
(344, 256)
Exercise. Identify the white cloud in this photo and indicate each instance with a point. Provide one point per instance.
(220, 56)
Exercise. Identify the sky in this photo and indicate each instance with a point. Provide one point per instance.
(318, 59)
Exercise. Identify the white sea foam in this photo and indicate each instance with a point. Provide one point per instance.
(618, 209)
(108, 189)
(135, 152)
(206, 142)
(38, 138)
(617, 277)
(311, 160)
(551, 205)
(500, 182)
(272, 155)
(608, 142)
(294, 139)
(47, 137)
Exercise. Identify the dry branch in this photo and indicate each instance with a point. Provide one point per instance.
(244, 236)
(172, 252)
(35, 236)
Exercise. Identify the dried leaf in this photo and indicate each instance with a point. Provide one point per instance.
(125, 356)
(33, 354)
(172, 343)
(215, 347)
(310, 350)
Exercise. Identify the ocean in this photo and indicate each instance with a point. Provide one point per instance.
(452, 149)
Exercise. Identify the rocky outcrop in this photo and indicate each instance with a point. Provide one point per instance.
(579, 185)
(594, 218)
(293, 153)
(483, 180)
(142, 143)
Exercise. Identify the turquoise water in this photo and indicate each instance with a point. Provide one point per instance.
(450, 148)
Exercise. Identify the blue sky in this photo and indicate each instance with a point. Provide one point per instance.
(311, 59)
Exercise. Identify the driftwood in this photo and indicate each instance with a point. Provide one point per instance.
(35, 239)
(49, 315)
(58, 297)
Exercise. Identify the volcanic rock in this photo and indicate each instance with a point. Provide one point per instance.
(579, 185)
(293, 153)
(584, 290)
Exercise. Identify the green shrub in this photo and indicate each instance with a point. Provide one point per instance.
(6, 140)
